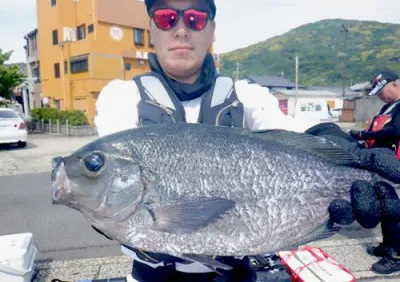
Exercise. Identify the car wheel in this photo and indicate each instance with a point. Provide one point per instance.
(22, 144)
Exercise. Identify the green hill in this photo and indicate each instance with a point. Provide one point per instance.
(323, 53)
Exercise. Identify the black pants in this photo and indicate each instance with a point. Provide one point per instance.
(145, 273)
(241, 273)
(391, 233)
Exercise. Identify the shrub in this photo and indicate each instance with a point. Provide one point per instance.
(74, 117)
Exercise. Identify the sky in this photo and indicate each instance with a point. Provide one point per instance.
(240, 23)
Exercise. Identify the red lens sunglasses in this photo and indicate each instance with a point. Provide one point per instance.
(167, 18)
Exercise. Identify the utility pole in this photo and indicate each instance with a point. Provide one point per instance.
(237, 70)
(297, 73)
(297, 85)
(345, 30)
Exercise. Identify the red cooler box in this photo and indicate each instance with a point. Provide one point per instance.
(309, 264)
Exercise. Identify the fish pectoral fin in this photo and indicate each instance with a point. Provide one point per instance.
(190, 215)
(206, 260)
(328, 233)
(323, 232)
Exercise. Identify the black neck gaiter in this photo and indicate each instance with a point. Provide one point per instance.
(187, 91)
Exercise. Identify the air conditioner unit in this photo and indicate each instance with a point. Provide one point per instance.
(69, 34)
(146, 55)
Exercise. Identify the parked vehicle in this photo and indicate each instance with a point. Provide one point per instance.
(313, 110)
(12, 128)
(336, 113)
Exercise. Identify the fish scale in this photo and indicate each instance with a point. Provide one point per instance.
(280, 192)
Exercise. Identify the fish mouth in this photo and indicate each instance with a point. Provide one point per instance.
(61, 185)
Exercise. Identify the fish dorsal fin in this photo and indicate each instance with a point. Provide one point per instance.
(315, 145)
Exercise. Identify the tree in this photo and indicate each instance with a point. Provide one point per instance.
(10, 75)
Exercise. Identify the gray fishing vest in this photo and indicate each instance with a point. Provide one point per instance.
(219, 106)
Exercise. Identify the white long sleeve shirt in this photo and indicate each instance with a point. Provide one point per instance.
(117, 108)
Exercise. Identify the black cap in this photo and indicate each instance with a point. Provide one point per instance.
(380, 80)
(210, 3)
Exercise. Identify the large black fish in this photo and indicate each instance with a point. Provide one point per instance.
(194, 190)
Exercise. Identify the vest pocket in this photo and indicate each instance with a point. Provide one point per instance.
(230, 115)
(151, 112)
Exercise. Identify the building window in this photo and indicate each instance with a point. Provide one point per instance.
(90, 28)
(53, 3)
(128, 67)
(81, 32)
(57, 70)
(34, 43)
(65, 67)
(138, 34)
(57, 104)
(151, 44)
(36, 74)
(55, 37)
(310, 107)
(79, 65)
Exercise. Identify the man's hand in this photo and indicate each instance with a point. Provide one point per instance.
(356, 134)
(369, 203)
(389, 200)
(365, 207)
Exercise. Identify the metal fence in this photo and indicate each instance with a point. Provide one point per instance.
(62, 129)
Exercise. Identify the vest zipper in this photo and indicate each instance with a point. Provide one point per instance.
(166, 109)
(234, 104)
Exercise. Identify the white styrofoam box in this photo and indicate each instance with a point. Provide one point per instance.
(314, 264)
(17, 257)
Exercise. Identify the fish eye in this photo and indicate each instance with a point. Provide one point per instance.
(94, 162)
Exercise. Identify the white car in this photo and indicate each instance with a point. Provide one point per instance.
(313, 110)
(336, 113)
(12, 128)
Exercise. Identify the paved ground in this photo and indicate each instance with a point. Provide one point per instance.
(70, 250)
(37, 155)
(60, 233)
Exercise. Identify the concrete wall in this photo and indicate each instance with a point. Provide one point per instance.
(366, 107)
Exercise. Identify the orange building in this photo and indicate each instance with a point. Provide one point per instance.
(84, 44)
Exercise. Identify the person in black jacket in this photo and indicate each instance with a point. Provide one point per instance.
(378, 150)
(383, 129)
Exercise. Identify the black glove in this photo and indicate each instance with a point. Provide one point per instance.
(389, 200)
(365, 206)
(369, 203)
(356, 134)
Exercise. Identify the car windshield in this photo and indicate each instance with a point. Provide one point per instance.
(8, 114)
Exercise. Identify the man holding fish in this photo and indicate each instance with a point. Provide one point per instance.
(194, 191)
